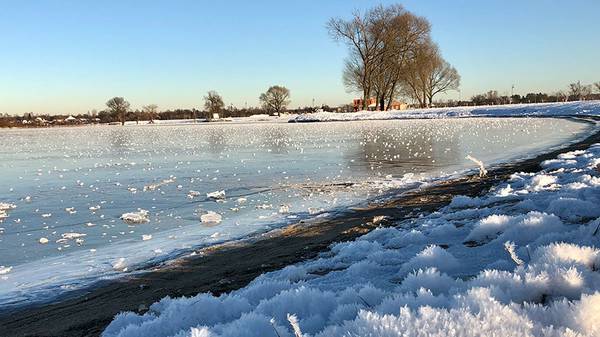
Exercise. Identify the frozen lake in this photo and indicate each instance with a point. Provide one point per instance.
(70, 186)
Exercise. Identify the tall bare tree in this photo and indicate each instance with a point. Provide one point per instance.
(119, 107)
(213, 103)
(365, 40)
(275, 99)
(404, 33)
(150, 111)
(383, 41)
(429, 74)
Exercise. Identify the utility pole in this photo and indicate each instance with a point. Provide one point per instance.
(512, 91)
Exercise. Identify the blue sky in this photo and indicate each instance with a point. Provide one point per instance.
(72, 56)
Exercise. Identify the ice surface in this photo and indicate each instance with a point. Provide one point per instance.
(533, 272)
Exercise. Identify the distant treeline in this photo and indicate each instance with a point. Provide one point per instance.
(107, 116)
(575, 92)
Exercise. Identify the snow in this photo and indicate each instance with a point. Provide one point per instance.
(216, 195)
(211, 218)
(120, 264)
(521, 260)
(4, 208)
(83, 179)
(514, 110)
(139, 217)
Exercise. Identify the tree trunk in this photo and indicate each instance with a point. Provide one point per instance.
(391, 98)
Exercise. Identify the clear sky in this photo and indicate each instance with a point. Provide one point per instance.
(71, 56)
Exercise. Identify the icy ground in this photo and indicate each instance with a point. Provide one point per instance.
(85, 203)
(522, 260)
(547, 109)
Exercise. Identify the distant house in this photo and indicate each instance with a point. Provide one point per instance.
(358, 103)
(373, 106)
(70, 119)
(399, 105)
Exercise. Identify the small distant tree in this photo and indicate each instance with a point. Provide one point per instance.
(576, 90)
(118, 106)
(561, 96)
(597, 85)
(150, 111)
(275, 99)
(213, 103)
(586, 91)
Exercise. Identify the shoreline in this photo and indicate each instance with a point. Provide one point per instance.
(230, 266)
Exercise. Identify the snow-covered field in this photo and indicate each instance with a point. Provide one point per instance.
(543, 109)
(522, 260)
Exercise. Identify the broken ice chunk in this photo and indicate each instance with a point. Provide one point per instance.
(120, 264)
(216, 195)
(211, 218)
(141, 216)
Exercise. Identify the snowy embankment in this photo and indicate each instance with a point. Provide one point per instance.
(542, 109)
(522, 260)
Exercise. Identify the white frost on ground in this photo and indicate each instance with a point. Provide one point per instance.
(547, 109)
(442, 274)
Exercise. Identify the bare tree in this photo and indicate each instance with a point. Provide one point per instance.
(119, 107)
(381, 40)
(561, 96)
(442, 78)
(429, 74)
(365, 40)
(597, 85)
(150, 111)
(404, 33)
(275, 99)
(576, 90)
(213, 103)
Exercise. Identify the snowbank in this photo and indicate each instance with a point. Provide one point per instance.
(543, 109)
(443, 274)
